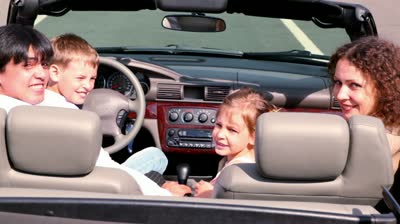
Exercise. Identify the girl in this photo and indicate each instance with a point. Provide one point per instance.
(234, 130)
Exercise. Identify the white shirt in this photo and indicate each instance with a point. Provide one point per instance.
(7, 103)
(53, 99)
(147, 186)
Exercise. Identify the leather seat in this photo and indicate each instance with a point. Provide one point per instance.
(56, 148)
(313, 157)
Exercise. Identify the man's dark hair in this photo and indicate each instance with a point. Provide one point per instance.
(15, 41)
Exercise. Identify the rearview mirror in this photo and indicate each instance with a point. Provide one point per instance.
(193, 23)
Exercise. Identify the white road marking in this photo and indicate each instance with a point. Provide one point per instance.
(301, 37)
(39, 19)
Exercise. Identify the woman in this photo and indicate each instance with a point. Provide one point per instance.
(366, 77)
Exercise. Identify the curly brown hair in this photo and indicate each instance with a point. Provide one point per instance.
(379, 61)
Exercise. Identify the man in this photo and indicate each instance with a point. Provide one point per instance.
(25, 54)
(24, 59)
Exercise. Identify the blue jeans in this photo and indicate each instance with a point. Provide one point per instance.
(146, 160)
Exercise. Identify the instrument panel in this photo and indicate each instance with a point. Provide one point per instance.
(111, 78)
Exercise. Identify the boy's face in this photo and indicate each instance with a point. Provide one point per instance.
(76, 81)
(25, 81)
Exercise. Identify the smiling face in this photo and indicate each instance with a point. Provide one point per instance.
(231, 134)
(26, 80)
(74, 81)
(355, 93)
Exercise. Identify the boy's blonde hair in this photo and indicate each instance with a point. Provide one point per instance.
(69, 47)
(252, 104)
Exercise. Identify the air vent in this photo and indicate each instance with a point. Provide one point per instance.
(169, 91)
(216, 93)
(335, 104)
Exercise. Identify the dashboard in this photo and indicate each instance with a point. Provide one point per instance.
(183, 95)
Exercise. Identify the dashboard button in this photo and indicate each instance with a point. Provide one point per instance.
(188, 117)
(203, 118)
(173, 116)
(171, 132)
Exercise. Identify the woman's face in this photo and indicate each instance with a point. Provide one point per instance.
(354, 91)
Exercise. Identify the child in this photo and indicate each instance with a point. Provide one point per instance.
(74, 68)
(234, 131)
(73, 72)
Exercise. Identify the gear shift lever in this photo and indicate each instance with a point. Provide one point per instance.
(183, 171)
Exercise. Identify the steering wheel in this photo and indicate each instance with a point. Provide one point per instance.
(113, 107)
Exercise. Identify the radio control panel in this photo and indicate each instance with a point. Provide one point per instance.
(191, 116)
(189, 127)
(189, 138)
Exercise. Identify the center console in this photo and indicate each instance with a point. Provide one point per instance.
(185, 133)
(190, 128)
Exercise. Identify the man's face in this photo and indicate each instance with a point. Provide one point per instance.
(25, 81)
(76, 81)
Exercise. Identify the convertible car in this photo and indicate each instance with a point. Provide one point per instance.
(165, 68)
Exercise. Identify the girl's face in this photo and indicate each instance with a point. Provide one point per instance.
(355, 93)
(231, 134)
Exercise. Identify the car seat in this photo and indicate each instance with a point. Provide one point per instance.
(312, 157)
(56, 148)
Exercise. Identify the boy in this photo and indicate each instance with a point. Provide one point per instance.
(73, 72)
(24, 57)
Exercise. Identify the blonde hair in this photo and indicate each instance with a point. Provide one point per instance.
(69, 47)
(252, 104)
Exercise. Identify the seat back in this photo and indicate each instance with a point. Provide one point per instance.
(313, 157)
(57, 148)
(4, 164)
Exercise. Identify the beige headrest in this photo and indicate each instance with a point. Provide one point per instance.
(301, 146)
(53, 141)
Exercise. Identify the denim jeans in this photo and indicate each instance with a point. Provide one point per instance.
(146, 160)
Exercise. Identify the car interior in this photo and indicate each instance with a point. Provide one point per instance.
(272, 186)
(312, 166)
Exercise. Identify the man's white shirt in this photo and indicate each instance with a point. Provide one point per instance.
(7, 103)
(53, 99)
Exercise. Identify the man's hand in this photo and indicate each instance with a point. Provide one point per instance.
(177, 189)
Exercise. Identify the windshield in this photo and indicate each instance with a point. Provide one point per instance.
(142, 29)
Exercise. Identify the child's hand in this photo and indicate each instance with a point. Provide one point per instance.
(204, 189)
